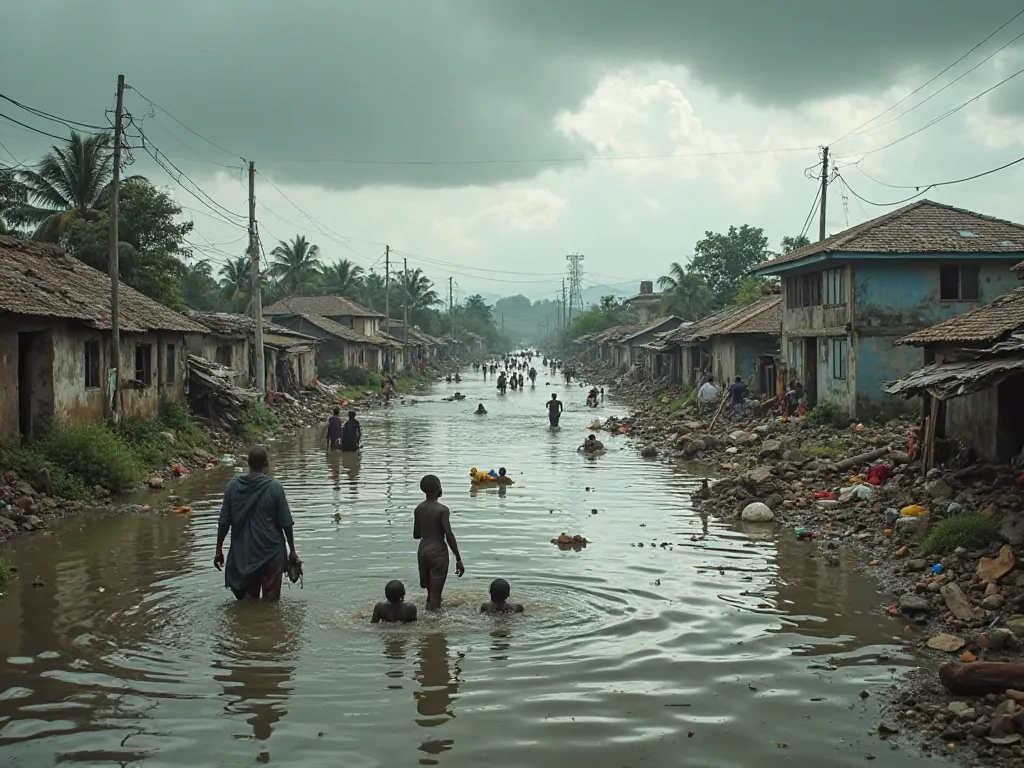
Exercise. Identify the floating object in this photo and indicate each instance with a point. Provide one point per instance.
(567, 542)
(801, 533)
(595, 425)
(184, 509)
(227, 458)
(480, 477)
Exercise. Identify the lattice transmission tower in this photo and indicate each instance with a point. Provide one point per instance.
(575, 283)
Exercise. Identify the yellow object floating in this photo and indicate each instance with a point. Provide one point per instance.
(483, 478)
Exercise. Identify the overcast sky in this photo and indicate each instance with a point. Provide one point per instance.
(479, 137)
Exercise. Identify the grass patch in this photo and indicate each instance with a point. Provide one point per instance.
(968, 531)
(828, 415)
(95, 454)
(834, 449)
(682, 400)
(5, 571)
(256, 421)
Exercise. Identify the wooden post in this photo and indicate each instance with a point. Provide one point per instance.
(115, 268)
(824, 193)
(257, 286)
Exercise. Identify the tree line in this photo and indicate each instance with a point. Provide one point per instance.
(65, 200)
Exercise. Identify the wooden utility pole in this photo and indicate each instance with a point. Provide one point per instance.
(451, 307)
(563, 304)
(824, 193)
(115, 268)
(257, 288)
(405, 312)
(387, 289)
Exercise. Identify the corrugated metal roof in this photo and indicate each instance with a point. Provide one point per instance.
(948, 380)
(325, 306)
(652, 326)
(43, 281)
(921, 227)
(992, 322)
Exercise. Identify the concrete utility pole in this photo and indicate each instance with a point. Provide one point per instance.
(257, 287)
(405, 312)
(451, 307)
(387, 289)
(824, 193)
(115, 267)
(563, 303)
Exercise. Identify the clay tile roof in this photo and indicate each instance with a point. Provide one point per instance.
(230, 324)
(921, 227)
(763, 316)
(1018, 268)
(652, 326)
(336, 329)
(990, 323)
(325, 306)
(43, 281)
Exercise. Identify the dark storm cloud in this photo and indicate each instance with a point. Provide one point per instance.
(471, 80)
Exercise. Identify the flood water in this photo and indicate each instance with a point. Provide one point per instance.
(710, 645)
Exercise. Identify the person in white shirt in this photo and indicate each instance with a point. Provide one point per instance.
(706, 395)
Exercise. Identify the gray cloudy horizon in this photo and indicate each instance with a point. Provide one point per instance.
(437, 127)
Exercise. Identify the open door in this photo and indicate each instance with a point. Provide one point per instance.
(811, 371)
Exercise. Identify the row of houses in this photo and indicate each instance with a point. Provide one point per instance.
(850, 317)
(55, 342)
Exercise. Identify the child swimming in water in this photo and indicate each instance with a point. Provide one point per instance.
(500, 590)
(396, 609)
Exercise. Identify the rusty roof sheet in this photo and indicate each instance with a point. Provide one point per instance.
(921, 227)
(325, 306)
(654, 325)
(43, 281)
(963, 377)
(989, 323)
(230, 324)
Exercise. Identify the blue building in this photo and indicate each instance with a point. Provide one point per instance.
(847, 298)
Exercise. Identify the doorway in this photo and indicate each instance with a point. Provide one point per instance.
(811, 371)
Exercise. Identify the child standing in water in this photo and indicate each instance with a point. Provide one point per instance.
(500, 590)
(432, 526)
(395, 609)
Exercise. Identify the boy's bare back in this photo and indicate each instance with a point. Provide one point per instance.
(432, 520)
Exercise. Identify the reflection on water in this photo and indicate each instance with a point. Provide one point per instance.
(671, 638)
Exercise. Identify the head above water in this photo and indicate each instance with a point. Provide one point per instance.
(431, 486)
(394, 591)
(738, 379)
(592, 437)
(500, 590)
(258, 459)
(337, 411)
(501, 471)
(351, 414)
(554, 396)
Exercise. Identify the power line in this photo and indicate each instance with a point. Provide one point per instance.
(943, 183)
(936, 77)
(187, 128)
(944, 115)
(880, 205)
(810, 213)
(47, 116)
(34, 130)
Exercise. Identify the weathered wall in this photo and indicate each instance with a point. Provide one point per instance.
(839, 392)
(206, 346)
(723, 352)
(897, 297)
(74, 404)
(879, 361)
(1010, 432)
(8, 382)
(808, 321)
(973, 420)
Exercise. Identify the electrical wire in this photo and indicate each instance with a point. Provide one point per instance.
(881, 205)
(183, 125)
(810, 213)
(943, 183)
(936, 77)
(47, 116)
(34, 130)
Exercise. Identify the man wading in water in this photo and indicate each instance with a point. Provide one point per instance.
(432, 526)
(256, 512)
(554, 410)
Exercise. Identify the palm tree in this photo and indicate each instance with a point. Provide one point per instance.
(296, 265)
(793, 242)
(477, 307)
(685, 294)
(73, 182)
(12, 195)
(342, 279)
(236, 282)
(373, 290)
(420, 289)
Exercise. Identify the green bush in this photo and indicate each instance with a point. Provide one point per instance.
(834, 449)
(256, 421)
(333, 370)
(178, 418)
(28, 461)
(5, 571)
(95, 454)
(148, 439)
(968, 531)
(828, 415)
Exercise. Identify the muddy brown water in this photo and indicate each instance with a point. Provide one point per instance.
(725, 647)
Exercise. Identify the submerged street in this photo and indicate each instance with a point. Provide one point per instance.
(670, 639)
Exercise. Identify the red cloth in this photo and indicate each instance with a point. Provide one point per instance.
(878, 474)
(825, 495)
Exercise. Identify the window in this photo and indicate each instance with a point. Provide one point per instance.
(834, 294)
(959, 282)
(171, 364)
(92, 364)
(803, 291)
(837, 354)
(223, 355)
(796, 356)
(144, 363)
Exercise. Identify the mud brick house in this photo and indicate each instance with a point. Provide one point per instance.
(55, 343)
(972, 385)
(848, 298)
(347, 330)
